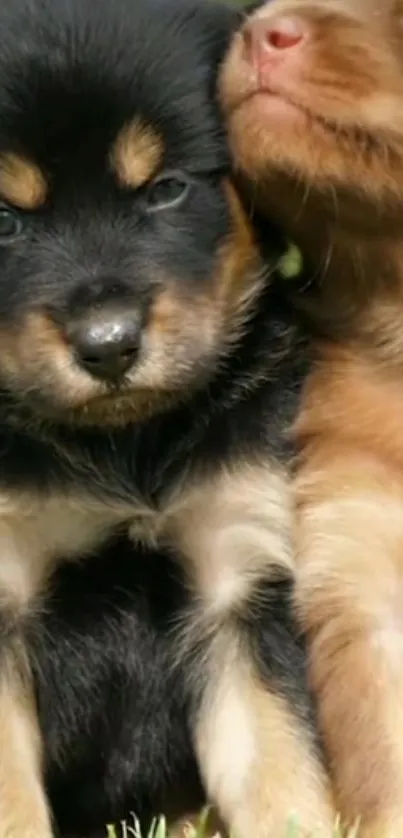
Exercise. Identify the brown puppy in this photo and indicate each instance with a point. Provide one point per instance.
(314, 96)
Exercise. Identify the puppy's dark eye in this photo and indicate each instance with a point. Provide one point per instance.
(167, 191)
(10, 224)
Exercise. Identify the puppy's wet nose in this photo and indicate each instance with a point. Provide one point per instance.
(106, 344)
(265, 37)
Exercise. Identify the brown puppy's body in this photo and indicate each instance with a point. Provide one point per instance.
(314, 93)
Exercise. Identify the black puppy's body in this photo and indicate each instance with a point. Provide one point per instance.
(115, 710)
(149, 369)
(115, 705)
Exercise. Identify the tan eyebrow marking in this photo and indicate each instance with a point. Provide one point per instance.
(22, 183)
(136, 154)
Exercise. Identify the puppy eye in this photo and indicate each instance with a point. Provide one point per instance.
(10, 224)
(167, 191)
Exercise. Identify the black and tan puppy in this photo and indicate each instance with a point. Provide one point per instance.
(149, 369)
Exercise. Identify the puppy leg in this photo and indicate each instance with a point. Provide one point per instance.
(257, 753)
(350, 599)
(23, 807)
(257, 758)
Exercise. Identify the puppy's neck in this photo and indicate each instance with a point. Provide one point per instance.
(354, 249)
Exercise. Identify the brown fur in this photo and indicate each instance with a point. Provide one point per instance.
(350, 549)
(334, 172)
(136, 155)
(22, 183)
(336, 160)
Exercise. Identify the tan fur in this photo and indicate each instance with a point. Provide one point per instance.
(331, 168)
(35, 354)
(231, 530)
(23, 807)
(256, 761)
(34, 350)
(36, 529)
(136, 154)
(22, 183)
(182, 328)
(35, 532)
(193, 324)
(258, 765)
(237, 276)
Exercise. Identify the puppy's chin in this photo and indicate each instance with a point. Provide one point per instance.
(45, 394)
(108, 408)
(115, 410)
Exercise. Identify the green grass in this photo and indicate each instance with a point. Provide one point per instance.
(159, 829)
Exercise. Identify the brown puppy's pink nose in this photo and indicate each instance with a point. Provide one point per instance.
(264, 37)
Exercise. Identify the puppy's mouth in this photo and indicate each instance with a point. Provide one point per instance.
(283, 109)
(279, 104)
(79, 401)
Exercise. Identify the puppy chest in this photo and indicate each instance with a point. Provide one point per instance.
(230, 531)
(36, 534)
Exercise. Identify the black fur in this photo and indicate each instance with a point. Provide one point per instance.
(80, 72)
(114, 707)
(115, 711)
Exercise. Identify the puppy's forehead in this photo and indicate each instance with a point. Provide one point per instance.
(128, 82)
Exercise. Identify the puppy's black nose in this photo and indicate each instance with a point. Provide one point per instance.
(106, 343)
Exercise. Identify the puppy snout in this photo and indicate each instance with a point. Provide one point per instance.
(106, 342)
(266, 39)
